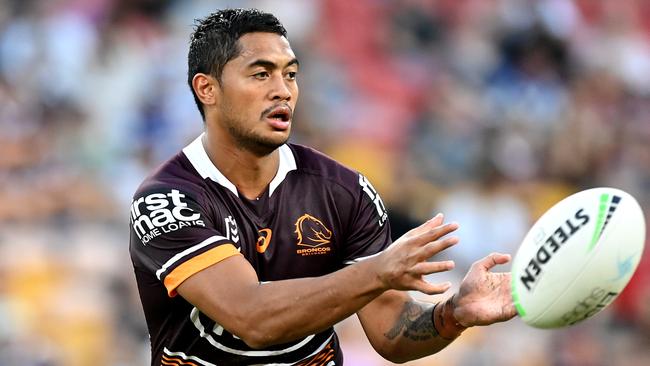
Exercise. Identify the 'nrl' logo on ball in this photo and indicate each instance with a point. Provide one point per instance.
(313, 234)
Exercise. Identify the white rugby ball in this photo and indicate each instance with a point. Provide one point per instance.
(577, 257)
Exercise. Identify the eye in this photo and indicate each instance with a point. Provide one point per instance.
(291, 75)
(262, 75)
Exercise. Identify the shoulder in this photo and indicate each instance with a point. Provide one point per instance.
(313, 162)
(177, 173)
(169, 199)
(357, 186)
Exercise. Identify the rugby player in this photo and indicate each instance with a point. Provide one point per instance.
(248, 249)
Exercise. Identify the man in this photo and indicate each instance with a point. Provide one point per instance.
(247, 249)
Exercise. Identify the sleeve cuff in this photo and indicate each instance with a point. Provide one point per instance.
(197, 264)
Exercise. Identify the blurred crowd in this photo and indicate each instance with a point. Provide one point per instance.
(489, 111)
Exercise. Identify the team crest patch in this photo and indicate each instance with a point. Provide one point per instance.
(313, 236)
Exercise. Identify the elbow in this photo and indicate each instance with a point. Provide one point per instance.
(258, 337)
(394, 358)
(398, 360)
(257, 340)
(393, 354)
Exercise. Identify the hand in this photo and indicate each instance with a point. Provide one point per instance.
(484, 297)
(404, 264)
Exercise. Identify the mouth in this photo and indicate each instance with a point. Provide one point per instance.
(278, 116)
(279, 113)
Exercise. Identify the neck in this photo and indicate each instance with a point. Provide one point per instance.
(249, 172)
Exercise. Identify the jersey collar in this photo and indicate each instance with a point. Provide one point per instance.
(197, 155)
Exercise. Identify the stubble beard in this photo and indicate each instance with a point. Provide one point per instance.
(253, 142)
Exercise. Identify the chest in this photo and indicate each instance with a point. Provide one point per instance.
(287, 235)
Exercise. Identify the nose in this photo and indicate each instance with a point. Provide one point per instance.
(280, 90)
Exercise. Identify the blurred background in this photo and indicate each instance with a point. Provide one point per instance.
(487, 110)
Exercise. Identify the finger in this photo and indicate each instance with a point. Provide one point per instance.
(492, 260)
(510, 311)
(427, 225)
(437, 220)
(430, 288)
(425, 268)
(434, 233)
(437, 246)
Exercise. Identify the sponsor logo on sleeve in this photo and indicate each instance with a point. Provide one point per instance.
(313, 236)
(160, 213)
(374, 197)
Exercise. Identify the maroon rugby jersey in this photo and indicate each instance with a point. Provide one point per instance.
(315, 217)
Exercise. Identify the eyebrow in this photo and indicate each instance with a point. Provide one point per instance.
(272, 65)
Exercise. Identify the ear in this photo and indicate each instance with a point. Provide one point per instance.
(206, 89)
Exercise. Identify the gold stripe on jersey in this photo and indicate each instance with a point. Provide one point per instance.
(322, 358)
(167, 361)
(197, 264)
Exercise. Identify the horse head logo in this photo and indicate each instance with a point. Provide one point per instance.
(312, 232)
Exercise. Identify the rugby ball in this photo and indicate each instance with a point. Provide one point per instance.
(577, 257)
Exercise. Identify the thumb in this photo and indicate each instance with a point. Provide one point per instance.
(492, 260)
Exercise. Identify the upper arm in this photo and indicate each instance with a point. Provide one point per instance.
(178, 240)
(220, 290)
(174, 236)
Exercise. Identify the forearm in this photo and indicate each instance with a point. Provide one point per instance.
(296, 308)
(414, 334)
(403, 329)
(229, 292)
(280, 311)
(415, 329)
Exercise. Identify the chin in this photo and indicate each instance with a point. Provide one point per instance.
(263, 146)
(275, 138)
(260, 143)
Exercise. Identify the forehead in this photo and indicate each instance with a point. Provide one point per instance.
(269, 46)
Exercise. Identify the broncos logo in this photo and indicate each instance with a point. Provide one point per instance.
(311, 231)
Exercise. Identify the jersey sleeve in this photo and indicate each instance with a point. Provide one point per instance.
(173, 235)
(370, 230)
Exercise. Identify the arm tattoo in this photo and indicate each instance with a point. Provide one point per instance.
(415, 322)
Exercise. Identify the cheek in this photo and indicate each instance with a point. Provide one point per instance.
(240, 102)
(295, 93)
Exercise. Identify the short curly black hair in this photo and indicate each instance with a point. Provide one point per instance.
(214, 41)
